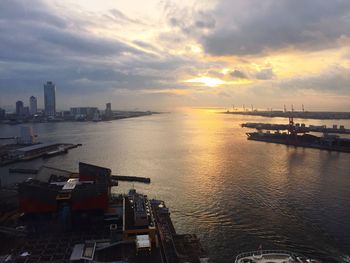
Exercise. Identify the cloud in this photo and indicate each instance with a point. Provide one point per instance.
(265, 74)
(192, 22)
(335, 80)
(15, 11)
(120, 17)
(38, 44)
(251, 27)
(251, 74)
(238, 74)
(128, 57)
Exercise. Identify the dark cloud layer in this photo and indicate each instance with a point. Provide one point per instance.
(238, 74)
(191, 22)
(37, 44)
(40, 43)
(252, 26)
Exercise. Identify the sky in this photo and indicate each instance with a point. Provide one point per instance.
(163, 55)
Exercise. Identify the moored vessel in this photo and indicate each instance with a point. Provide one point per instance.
(272, 256)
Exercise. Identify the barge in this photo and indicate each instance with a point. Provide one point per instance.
(330, 143)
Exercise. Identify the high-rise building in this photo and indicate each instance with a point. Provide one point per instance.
(26, 111)
(2, 114)
(33, 105)
(19, 108)
(108, 111)
(50, 98)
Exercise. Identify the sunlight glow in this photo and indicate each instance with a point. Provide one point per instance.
(207, 81)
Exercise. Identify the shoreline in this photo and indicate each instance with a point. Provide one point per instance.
(127, 115)
(316, 115)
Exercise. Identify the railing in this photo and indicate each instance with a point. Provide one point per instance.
(262, 252)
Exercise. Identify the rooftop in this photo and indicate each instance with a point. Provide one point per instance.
(36, 147)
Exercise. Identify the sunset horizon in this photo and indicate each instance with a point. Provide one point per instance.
(165, 55)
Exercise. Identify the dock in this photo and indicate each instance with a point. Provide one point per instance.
(300, 128)
(124, 178)
(175, 247)
(13, 153)
(23, 170)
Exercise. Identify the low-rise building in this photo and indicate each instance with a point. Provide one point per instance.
(83, 112)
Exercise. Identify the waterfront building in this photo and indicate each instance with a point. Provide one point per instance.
(26, 135)
(50, 98)
(19, 108)
(83, 112)
(108, 111)
(33, 105)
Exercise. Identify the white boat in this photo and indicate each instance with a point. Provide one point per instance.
(272, 256)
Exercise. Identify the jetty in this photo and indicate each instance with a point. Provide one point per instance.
(13, 153)
(300, 128)
(125, 178)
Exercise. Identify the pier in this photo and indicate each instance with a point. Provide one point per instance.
(300, 128)
(13, 153)
(124, 178)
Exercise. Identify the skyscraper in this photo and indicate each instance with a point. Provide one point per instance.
(33, 105)
(2, 114)
(50, 98)
(108, 111)
(19, 108)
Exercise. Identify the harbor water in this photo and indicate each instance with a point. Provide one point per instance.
(233, 193)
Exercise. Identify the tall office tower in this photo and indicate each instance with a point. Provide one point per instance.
(50, 98)
(2, 114)
(33, 105)
(108, 111)
(26, 111)
(19, 108)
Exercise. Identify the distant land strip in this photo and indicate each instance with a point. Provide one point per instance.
(320, 115)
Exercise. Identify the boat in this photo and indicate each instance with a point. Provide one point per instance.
(272, 256)
(326, 142)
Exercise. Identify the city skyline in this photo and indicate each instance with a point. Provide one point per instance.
(177, 54)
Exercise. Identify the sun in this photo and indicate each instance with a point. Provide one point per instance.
(207, 81)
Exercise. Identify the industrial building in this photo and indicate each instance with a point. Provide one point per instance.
(74, 217)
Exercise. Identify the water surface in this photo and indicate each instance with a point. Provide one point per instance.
(233, 193)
